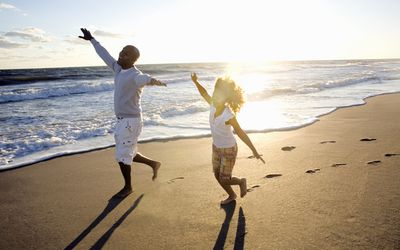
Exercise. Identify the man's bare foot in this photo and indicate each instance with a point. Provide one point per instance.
(243, 187)
(228, 200)
(123, 193)
(156, 166)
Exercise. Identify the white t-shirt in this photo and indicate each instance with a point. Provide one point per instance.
(222, 134)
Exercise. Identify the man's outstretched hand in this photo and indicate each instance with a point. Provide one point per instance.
(86, 34)
(155, 82)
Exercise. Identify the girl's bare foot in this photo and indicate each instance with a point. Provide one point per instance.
(123, 193)
(243, 187)
(228, 200)
(155, 167)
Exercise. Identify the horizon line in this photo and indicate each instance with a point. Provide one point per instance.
(221, 62)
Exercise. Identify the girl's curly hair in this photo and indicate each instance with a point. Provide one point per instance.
(235, 93)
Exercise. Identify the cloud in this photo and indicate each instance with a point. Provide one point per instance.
(32, 34)
(75, 40)
(7, 6)
(27, 37)
(78, 41)
(6, 44)
(107, 34)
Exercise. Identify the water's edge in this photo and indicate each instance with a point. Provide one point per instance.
(80, 151)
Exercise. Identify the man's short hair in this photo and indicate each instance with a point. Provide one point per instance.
(136, 53)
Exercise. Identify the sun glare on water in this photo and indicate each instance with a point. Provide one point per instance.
(255, 114)
(250, 81)
(259, 115)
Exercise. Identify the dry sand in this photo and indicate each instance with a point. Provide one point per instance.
(64, 202)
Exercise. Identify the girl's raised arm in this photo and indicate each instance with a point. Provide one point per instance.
(244, 137)
(201, 89)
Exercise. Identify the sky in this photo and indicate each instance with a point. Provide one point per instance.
(44, 33)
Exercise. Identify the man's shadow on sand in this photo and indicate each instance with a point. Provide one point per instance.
(112, 203)
(240, 231)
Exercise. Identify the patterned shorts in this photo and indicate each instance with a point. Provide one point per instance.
(223, 160)
(127, 131)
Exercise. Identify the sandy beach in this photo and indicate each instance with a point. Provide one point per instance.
(331, 190)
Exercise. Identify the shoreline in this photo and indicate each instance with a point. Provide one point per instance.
(28, 163)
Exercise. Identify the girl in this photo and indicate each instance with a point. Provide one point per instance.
(225, 102)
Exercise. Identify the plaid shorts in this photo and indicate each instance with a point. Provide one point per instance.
(223, 160)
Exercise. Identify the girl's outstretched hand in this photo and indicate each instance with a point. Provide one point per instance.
(194, 77)
(258, 156)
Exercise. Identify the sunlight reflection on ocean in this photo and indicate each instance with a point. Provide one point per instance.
(48, 112)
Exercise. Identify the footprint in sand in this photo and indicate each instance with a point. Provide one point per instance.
(335, 165)
(312, 171)
(368, 139)
(174, 179)
(324, 142)
(288, 148)
(351, 219)
(373, 162)
(268, 176)
(390, 155)
(251, 157)
(252, 188)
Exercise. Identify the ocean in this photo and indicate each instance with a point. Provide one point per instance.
(51, 112)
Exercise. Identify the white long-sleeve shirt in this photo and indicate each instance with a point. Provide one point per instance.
(128, 83)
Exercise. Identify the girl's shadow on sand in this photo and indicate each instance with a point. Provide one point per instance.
(112, 203)
(240, 231)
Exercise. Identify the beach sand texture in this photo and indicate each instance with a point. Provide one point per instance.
(323, 187)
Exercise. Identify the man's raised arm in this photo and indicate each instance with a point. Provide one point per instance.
(100, 50)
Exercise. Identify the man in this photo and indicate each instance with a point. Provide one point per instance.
(129, 83)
